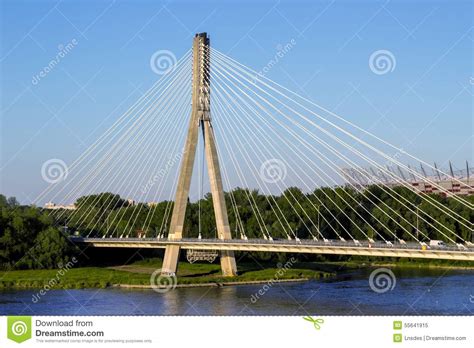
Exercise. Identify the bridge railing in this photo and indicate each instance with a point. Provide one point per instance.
(330, 243)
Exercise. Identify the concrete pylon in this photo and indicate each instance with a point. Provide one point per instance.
(200, 118)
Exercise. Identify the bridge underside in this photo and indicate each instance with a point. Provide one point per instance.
(284, 247)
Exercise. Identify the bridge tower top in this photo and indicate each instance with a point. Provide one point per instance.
(201, 76)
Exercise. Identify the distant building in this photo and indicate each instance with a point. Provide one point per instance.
(53, 206)
(152, 204)
(131, 202)
(456, 182)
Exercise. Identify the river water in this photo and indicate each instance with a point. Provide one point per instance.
(416, 292)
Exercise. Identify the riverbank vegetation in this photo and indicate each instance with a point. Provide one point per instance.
(30, 238)
(299, 212)
(35, 238)
(141, 273)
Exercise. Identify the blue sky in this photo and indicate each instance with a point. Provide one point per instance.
(430, 88)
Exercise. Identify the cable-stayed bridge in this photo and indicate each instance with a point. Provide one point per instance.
(284, 150)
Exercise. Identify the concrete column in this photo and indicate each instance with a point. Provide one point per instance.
(170, 261)
(228, 265)
(200, 116)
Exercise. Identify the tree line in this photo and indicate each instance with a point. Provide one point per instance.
(32, 237)
(29, 238)
(375, 212)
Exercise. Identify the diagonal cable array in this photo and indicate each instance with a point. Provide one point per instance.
(260, 121)
(281, 158)
(135, 157)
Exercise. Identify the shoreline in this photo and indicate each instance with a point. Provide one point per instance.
(184, 285)
(409, 265)
(217, 284)
(210, 284)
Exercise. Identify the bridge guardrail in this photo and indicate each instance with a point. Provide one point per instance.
(335, 243)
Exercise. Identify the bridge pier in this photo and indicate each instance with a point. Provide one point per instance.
(200, 118)
(170, 261)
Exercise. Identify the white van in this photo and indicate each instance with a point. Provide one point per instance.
(437, 243)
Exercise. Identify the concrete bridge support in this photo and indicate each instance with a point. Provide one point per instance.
(200, 118)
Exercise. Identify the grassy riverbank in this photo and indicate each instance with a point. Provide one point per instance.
(139, 273)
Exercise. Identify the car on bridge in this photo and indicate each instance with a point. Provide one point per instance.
(437, 243)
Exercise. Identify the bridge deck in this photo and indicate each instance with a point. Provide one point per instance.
(291, 246)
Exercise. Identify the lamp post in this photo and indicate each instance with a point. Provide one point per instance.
(417, 220)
